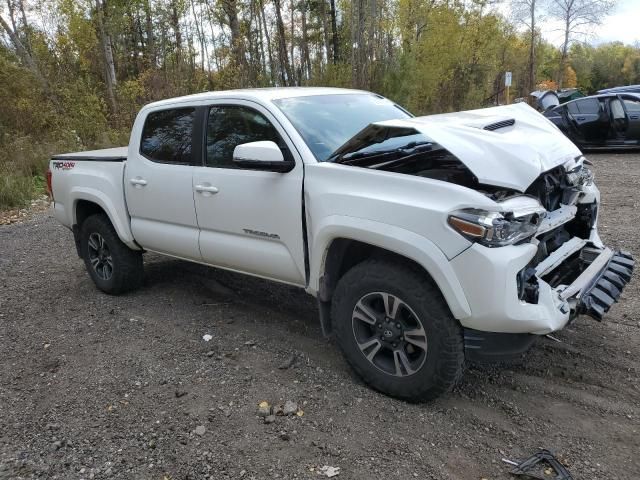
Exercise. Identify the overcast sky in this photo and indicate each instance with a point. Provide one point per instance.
(623, 24)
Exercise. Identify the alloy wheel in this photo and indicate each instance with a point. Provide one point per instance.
(100, 256)
(389, 334)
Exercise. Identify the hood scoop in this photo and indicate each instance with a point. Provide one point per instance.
(492, 127)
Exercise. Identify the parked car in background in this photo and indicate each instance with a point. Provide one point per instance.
(624, 89)
(547, 99)
(610, 120)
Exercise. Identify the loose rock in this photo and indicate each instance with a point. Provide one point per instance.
(290, 408)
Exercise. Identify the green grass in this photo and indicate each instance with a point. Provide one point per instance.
(17, 190)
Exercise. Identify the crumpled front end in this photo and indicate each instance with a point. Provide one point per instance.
(539, 285)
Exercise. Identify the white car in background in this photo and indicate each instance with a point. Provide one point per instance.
(425, 240)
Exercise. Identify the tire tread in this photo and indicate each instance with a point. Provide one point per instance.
(449, 367)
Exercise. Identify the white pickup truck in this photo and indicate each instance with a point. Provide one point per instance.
(426, 240)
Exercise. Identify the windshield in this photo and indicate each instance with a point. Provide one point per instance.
(325, 122)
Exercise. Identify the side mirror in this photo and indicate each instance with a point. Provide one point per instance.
(265, 155)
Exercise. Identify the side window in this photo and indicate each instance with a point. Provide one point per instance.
(589, 106)
(572, 107)
(632, 105)
(166, 136)
(231, 125)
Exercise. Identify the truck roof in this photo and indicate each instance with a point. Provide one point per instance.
(260, 94)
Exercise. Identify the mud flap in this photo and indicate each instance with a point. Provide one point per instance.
(607, 286)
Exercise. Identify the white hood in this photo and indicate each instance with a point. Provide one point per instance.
(511, 156)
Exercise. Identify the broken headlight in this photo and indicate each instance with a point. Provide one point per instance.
(497, 229)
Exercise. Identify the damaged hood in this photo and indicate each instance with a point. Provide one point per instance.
(508, 146)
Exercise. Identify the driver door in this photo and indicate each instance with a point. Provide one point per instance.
(249, 220)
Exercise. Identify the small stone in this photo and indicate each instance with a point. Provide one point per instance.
(264, 409)
(180, 393)
(210, 353)
(249, 343)
(290, 408)
(200, 430)
(285, 436)
(288, 363)
(57, 445)
(242, 473)
(269, 419)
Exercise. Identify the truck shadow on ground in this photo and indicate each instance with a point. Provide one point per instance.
(213, 286)
(245, 297)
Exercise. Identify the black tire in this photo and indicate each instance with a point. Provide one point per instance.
(126, 271)
(443, 358)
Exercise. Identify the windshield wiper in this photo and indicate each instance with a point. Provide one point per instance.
(354, 158)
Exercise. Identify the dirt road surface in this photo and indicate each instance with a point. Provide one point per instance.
(93, 386)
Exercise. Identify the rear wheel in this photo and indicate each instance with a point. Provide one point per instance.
(396, 330)
(112, 266)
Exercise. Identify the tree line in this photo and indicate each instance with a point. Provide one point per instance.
(73, 73)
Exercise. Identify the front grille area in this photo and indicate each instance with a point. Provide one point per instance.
(557, 189)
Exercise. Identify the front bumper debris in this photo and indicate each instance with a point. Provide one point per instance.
(598, 292)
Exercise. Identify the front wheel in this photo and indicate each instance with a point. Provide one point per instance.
(113, 266)
(396, 330)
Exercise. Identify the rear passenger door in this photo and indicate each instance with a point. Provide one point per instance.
(632, 109)
(158, 183)
(589, 119)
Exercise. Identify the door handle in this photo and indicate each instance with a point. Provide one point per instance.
(206, 189)
(138, 182)
(634, 117)
(580, 118)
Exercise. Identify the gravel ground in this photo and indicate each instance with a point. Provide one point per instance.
(93, 386)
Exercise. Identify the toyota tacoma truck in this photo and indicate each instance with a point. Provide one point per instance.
(426, 240)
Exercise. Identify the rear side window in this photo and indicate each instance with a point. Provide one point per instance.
(632, 105)
(166, 136)
(588, 106)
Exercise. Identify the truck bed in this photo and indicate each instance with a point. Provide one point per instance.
(118, 154)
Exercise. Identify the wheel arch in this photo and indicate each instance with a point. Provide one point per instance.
(345, 242)
(89, 202)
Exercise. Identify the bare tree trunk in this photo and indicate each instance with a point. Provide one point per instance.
(213, 37)
(266, 34)
(292, 45)
(151, 41)
(200, 35)
(237, 51)
(334, 32)
(283, 57)
(175, 24)
(304, 47)
(532, 50)
(263, 53)
(565, 52)
(105, 41)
